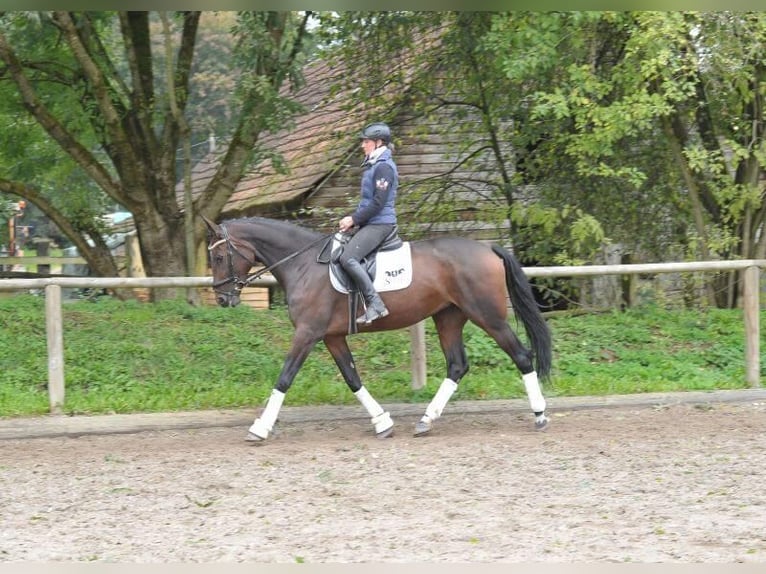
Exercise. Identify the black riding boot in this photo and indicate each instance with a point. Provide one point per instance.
(376, 309)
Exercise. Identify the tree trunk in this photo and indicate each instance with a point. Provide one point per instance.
(674, 132)
(162, 251)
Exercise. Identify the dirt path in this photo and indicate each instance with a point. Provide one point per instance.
(679, 483)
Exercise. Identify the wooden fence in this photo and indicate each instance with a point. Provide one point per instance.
(54, 320)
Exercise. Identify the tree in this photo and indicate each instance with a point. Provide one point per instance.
(91, 81)
(667, 106)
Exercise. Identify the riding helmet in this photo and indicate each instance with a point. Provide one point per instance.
(377, 131)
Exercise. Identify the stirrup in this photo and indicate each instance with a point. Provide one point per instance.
(371, 314)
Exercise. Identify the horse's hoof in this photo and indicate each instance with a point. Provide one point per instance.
(253, 438)
(422, 428)
(383, 425)
(541, 424)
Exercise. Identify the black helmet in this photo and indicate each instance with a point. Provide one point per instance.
(377, 131)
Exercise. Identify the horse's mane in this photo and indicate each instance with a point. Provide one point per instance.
(297, 231)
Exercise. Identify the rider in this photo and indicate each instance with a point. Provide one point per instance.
(375, 215)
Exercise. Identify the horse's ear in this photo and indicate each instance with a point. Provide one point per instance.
(212, 227)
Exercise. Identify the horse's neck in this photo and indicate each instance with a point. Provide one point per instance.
(273, 242)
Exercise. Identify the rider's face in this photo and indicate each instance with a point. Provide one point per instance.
(368, 146)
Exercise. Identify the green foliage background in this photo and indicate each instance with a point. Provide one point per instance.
(132, 357)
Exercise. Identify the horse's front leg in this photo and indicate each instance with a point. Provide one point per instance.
(381, 420)
(449, 325)
(300, 348)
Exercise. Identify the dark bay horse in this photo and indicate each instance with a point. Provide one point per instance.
(454, 280)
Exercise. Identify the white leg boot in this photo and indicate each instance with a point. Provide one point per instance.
(536, 399)
(436, 406)
(381, 420)
(262, 426)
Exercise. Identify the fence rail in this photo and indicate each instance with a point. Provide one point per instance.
(42, 260)
(750, 269)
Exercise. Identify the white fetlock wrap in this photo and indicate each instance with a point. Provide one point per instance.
(263, 425)
(536, 400)
(437, 404)
(381, 420)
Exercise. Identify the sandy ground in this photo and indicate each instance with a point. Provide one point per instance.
(676, 483)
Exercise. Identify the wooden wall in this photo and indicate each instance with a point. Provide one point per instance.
(431, 175)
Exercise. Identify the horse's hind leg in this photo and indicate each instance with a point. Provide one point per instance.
(381, 420)
(522, 358)
(449, 324)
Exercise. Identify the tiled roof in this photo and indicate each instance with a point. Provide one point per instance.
(318, 142)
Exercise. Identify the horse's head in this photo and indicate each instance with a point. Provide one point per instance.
(230, 260)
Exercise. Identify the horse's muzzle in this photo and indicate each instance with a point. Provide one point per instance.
(227, 299)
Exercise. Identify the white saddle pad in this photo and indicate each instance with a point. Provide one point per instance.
(393, 270)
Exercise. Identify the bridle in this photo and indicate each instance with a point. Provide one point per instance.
(231, 249)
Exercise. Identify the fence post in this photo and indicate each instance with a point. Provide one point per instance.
(42, 248)
(418, 346)
(628, 284)
(751, 309)
(55, 335)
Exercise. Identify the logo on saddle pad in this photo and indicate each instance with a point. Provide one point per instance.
(391, 269)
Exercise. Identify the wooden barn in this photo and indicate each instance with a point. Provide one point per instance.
(322, 157)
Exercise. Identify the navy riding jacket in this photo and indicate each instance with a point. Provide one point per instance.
(379, 183)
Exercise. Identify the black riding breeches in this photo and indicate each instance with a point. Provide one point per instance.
(365, 241)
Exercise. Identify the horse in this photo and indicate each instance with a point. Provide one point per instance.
(454, 280)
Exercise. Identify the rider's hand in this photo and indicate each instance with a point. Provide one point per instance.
(346, 223)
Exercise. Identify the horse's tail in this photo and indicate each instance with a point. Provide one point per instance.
(525, 307)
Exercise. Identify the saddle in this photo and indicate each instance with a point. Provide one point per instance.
(389, 267)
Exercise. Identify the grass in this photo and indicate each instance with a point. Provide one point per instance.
(137, 357)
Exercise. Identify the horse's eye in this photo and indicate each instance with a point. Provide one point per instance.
(218, 258)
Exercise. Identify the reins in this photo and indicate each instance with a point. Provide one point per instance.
(231, 249)
(257, 274)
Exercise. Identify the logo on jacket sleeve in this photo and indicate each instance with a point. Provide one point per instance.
(382, 184)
